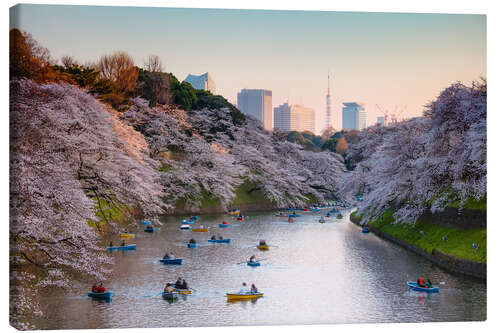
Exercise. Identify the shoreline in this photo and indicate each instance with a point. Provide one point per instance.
(448, 262)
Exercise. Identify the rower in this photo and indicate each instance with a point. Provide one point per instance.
(262, 242)
(252, 258)
(178, 283)
(192, 241)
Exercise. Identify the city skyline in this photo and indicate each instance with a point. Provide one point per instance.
(386, 59)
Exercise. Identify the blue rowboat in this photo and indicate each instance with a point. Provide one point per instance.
(416, 287)
(223, 225)
(314, 209)
(334, 211)
(185, 227)
(177, 261)
(105, 295)
(150, 230)
(123, 248)
(365, 230)
(293, 215)
(170, 296)
(192, 246)
(146, 223)
(227, 240)
(187, 221)
(253, 264)
(194, 218)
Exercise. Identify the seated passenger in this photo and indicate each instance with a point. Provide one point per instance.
(421, 282)
(262, 242)
(95, 288)
(178, 283)
(244, 288)
(252, 259)
(213, 237)
(184, 285)
(101, 289)
(192, 241)
(428, 284)
(253, 289)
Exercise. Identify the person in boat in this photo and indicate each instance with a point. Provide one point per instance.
(224, 222)
(252, 258)
(166, 256)
(95, 288)
(126, 231)
(244, 288)
(171, 256)
(149, 227)
(253, 289)
(184, 284)
(168, 288)
(262, 242)
(100, 288)
(178, 283)
(219, 237)
(111, 244)
(428, 284)
(123, 243)
(421, 282)
(213, 237)
(192, 241)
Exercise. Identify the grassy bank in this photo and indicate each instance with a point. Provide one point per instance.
(459, 243)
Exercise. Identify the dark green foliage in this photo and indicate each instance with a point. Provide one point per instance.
(155, 87)
(330, 145)
(84, 76)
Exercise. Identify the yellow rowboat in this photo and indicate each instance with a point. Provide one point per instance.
(234, 212)
(263, 247)
(127, 235)
(200, 229)
(234, 297)
(183, 291)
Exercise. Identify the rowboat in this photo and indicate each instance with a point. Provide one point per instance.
(222, 225)
(321, 221)
(179, 290)
(200, 229)
(170, 296)
(105, 295)
(314, 209)
(253, 263)
(263, 247)
(416, 287)
(187, 221)
(192, 245)
(340, 216)
(234, 212)
(146, 223)
(293, 215)
(185, 227)
(150, 230)
(227, 240)
(194, 218)
(177, 261)
(127, 235)
(238, 296)
(123, 248)
(365, 230)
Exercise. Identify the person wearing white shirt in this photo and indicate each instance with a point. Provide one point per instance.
(244, 288)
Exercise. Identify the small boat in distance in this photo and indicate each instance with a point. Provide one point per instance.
(416, 287)
(123, 248)
(177, 261)
(127, 235)
(246, 296)
(105, 295)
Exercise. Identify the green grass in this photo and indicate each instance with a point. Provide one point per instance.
(459, 242)
(242, 196)
(208, 200)
(472, 204)
(105, 211)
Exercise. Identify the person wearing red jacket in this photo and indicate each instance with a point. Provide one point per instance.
(421, 282)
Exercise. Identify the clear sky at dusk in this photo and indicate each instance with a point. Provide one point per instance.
(374, 58)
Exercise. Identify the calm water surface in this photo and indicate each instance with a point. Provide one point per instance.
(315, 274)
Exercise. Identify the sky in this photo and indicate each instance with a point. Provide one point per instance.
(396, 61)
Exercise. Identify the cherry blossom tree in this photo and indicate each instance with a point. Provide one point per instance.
(425, 163)
(67, 151)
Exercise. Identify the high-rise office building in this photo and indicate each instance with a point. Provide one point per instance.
(294, 118)
(382, 121)
(353, 116)
(257, 103)
(201, 82)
